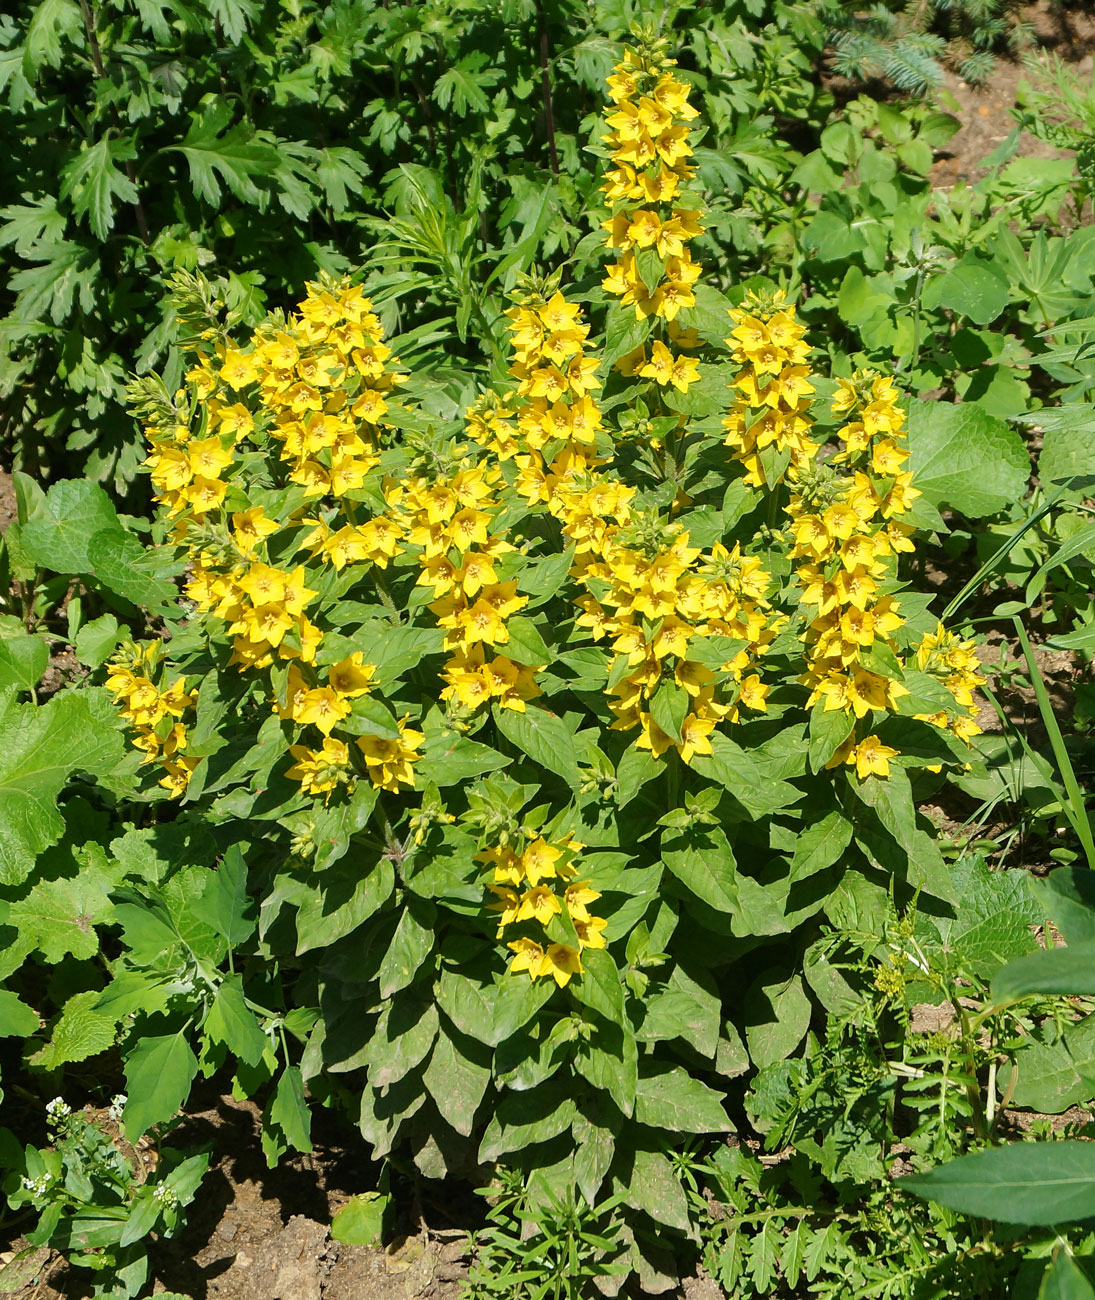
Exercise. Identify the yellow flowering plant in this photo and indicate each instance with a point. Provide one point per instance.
(550, 736)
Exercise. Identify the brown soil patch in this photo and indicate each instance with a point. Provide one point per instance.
(985, 111)
(260, 1234)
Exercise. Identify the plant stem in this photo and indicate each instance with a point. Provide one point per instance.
(545, 82)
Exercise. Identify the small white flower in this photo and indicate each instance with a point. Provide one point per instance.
(57, 1111)
(117, 1106)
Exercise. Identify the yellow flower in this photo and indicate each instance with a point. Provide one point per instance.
(350, 678)
(871, 757)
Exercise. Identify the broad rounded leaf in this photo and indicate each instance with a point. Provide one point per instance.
(963, 458)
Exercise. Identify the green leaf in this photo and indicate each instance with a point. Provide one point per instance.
(993, 920)
(456, 1083)
(50, 23)
(1068, 896)
(232, 1022)
(671, 1099)
(96, 640)
(411, 944)
(653, 1188)
(545, 738)
(217, 152)
(777, 1013)
(93, 181)
(158, 1072)
(360, 1222)
(1049, 1077)
(59, 535)
(744, 779)
(17, 1020)
(119, 562)
(224, 902)
(705, 865)
(469, 1005)
(599, 986)
(81, 1031)
(524, 1118)
(23, 660)
(1067, 452)
(525, 644)
(288, 1109)
(820, 844)
(918, 857)
(973, 287)
(39, 747)
(669, 708)
(1064, 1280)
(1069, 971)
(350, 897)
(829, 729)
(1039, 1183)
(966, 459)
(335, 825)
(451, 759)
(635, 769)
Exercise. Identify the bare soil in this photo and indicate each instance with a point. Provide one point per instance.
(260, 1234)
(985, 111)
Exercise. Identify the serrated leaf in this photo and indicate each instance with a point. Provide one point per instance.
(93, 181)
(224, 903)
(40, 746)
(966, 459)
(217, 152)
(96, 640)
(993, 920)
(59, 915)
(51, 21)
(232, 1022)
(118, 561)
(59, 535)
(81, 1031)
(23, 660)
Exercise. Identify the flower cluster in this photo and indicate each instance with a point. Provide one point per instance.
(155, 713)
(846, 530)
(307, 398)
(768, 424)
(687, 628)
(954, 663)
(451, 520)
(650, 228)
(536, 881)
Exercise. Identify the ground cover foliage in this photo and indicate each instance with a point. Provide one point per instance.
(546, 659)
